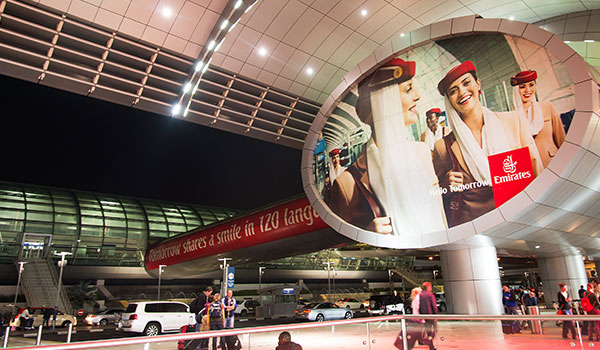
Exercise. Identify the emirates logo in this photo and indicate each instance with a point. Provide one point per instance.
(509, 166)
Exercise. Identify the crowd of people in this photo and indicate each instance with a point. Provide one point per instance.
(396, 181)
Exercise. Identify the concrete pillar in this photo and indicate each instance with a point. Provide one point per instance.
(567, 269)
(471, 279)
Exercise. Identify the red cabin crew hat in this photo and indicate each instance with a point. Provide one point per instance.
(523, 77)
(455, 73)
(395, 71)
(433, 110)
(334, 151)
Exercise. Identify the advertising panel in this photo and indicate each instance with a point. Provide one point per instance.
(443, 133)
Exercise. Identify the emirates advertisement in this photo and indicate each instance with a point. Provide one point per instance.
(442, 133)
(287, 220)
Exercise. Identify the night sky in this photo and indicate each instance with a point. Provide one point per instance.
(55, 138)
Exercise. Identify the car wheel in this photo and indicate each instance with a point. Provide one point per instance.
(320, 318)
(103, 322)
(152, 329)
(348, 307)
(66, 323)
(362, 306)
(348, 315)
(442, 307)
(244, 312)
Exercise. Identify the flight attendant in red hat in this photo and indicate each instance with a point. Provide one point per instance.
(461, 157)
(543, 119)
(434, 131)
(391, 187)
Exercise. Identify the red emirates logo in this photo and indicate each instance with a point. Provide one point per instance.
(511, 172)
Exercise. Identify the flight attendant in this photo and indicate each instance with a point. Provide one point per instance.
(392, 186)
(461, 157)
(543, 119)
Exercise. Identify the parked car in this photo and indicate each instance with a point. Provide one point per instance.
(322, 311)
(62, 319)
(440, 298)
(154, 317)
(350, 303)
(103, 318)
(385, 305)
(246, 307)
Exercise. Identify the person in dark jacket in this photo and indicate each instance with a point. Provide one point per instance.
(286, 343)
(428, 306)
(47, 314)
(564, 306)
(198, 304)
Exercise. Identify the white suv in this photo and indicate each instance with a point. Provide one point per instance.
(153, 317)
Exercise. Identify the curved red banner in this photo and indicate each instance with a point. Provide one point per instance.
(283, 221)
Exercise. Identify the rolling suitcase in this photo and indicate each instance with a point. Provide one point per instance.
(232, 342)
(191, 343)
(507, 327)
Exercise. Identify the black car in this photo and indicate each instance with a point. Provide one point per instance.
(386, 305)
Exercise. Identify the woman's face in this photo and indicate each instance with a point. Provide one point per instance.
(409, 97)
(463, 93)
(527, 91)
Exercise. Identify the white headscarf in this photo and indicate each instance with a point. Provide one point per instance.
(397, 175)
(431, 137)
(493, 141)
(535, 122)
(333, 174)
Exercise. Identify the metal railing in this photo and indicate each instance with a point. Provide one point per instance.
(401, 321)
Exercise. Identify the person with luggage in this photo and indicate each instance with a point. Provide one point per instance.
(216, 317)
(591, 305)
(509, 300)
(285, 342)
(199, 303)
(564, 308)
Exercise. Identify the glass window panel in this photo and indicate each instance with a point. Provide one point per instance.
(136, 216)
(116, 232)
(38, 198)
(136, 224)
(40, 207)
(177, 228)
(69, 202)
(157, 218)
(208, 221)
(12, 196)
(88, 220)
(92, 230)
(177, 220)
(159, 234)
(157, 226)
(10, 225)
(65, 209)
(91, 212)
(12, 214)
(32, 215)
(115, 223)
(193, 222)
(38, 227)
(114, 214)
(12, 204)
(66, 218)
(66, 229)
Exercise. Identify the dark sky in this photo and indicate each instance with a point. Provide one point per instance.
(55, 138)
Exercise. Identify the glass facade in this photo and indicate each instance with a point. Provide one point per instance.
(98, 229)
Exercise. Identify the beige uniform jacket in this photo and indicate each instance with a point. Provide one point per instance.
(552, 135)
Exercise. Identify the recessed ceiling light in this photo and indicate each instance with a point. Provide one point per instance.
(199, 66)
(588, 41)
(310, 71)
(166, 11)
(176, 109)
(402, 35)
(512, 18)
(364, 12)
(537, 247)
(224, 24)
(262, 51)
(211, 45)
(187, 87)
(237, 4)
(567, 41)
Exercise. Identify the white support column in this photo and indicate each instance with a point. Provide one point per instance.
(561, 269)
(471, 279)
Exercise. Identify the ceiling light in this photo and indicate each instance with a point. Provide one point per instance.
(224, 24)
(402, 35)
(166, 11)
(567, 41)
(310, 71)
(211, 45)
(249, 7)
(199, 66)
(233, 25)
(176, 109)
(588, 41)
(512, 18)
(364, 12)
(537, 247)
(237, 4)
(262, 51)
(187, 87)
(430, 258)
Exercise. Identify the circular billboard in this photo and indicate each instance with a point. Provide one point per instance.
(438, 134)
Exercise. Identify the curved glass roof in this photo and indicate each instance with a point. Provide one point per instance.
(99, 229)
